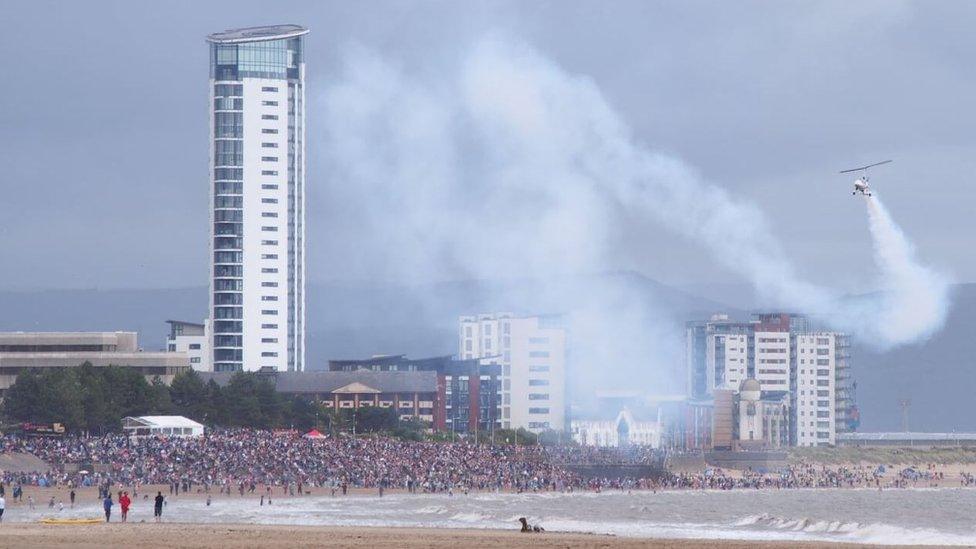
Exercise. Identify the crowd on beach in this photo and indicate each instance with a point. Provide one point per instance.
(257, 462)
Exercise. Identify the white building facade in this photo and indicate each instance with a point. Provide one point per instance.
(820, 399)
(532, 354)
(257, 178)
(772, 360)
(619, 432)
(192, 339)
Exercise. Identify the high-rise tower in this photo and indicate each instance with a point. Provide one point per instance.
(257, 198)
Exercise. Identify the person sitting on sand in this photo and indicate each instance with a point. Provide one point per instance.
(530, 528)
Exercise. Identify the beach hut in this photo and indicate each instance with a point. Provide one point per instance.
(314, 434)
(173, 426)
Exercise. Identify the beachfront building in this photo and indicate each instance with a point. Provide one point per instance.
(783, 354)
(823, 399)
(763, 417)
(413, 394)
(532, 353)
(468, 388)
(167, 426)
(193, 339)
(21, 351)
(719, 355)
(620, 430)
(257, 198)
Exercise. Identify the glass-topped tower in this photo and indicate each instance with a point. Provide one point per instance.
(257, 198)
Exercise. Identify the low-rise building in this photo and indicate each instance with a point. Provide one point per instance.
(21, 351)
(619, 432)
(414, 395)
(469, 388)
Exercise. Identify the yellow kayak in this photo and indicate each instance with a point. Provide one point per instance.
(71, 521)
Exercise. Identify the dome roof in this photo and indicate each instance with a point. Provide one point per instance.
(749, 385)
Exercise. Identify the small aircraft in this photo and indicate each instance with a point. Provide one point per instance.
(861, 183)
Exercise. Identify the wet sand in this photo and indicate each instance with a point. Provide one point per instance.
(199, 536)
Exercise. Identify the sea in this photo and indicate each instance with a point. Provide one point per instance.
(916, 516)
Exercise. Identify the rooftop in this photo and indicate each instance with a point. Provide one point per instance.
(257, 34)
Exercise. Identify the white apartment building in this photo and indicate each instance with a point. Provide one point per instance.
(728, 358)
(772, 360)
(532, 353)
(192, 339)
(257, 196)
(820, 365)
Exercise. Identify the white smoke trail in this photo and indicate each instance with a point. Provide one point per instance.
(510, 167)
(914, 298)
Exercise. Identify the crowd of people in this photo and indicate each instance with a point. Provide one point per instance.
(257, 462)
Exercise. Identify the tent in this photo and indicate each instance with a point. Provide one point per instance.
(314, 434)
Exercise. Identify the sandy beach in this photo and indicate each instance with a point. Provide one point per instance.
(199, 536)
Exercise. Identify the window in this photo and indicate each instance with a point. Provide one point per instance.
(269, 187)
(538, 340)
(269, 340)
(269, 117)
(269, 256)
(270, 229)
(269, 89)
(272, 312)
(269, 214)
(269, 298)
(195, 360)
(269, 145)
(269, 242)
(195, 346)
(269, 130)
(269, 326)
(538, 383)
(538, 425)
(538, 410)
(269, 172)
(269, 284)
(172, 347)
(269, 354)
(269, 103)
(269, 159)
(538, 368)
(539, 354)
(467, 344)
(269, 270)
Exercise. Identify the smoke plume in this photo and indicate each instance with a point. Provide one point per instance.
(506, 166)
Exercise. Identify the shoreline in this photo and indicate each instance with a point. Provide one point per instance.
(218, 536)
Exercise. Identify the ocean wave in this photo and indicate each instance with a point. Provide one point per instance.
(854, 532)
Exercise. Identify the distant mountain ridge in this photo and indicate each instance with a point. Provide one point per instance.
(347, 320)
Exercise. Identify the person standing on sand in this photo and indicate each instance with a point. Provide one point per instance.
(158, 507)
(3, 505)
(124, 503)
(107, 505)
(72, 497)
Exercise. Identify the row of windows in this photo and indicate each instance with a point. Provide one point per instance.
(538, 410)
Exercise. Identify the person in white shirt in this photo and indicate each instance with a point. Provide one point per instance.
(3, 505)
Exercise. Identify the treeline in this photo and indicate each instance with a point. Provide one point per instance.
(95, 399)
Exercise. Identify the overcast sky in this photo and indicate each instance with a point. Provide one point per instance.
(103, 122)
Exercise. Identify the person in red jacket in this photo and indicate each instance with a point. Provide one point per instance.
(124, 503)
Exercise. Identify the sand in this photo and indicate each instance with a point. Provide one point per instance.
(273, 537)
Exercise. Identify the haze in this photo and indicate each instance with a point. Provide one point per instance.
(104, 125)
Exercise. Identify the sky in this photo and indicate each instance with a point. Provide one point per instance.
(103, 129)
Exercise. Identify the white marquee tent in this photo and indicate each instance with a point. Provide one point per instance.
(175, 426)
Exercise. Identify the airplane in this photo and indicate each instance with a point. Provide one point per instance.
(861, 183)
